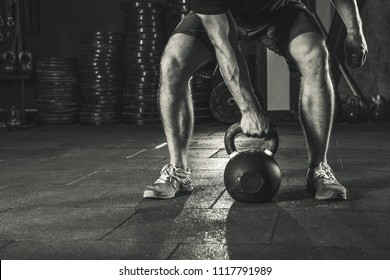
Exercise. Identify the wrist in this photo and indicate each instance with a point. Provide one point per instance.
(355, 29)
(354, 32)
(252, 108)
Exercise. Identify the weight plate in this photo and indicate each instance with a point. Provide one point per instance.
(145, 18)
(106, 65)
(129, 11)
(138, 42)
(143, 73)
(102, 102)
(137, 116)
(141, 122)
(144, 23)
(145, 29)
(95, 51)
(142, 85)
(141, 92)
(56, 60)
(54, 102)
(102, 87)
(101, 33)
(93, 38)
(140, 4)
(143, 60)
(132, 53)
(58, 85)
(222, 105)
(143, 67)
(147, 80)
(96, 70)
(88, 107)
(141, 109)
(146, 36)
(145, 48)
(99, 77)
(140, 101)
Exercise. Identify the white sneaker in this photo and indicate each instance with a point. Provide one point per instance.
(171, 181)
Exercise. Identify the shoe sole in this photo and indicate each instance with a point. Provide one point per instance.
(332, 196)
(152, 194)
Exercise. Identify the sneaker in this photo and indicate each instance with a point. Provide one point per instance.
(171, 181)
(323, 185)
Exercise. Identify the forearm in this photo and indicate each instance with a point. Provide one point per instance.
(349, 12)
(236, 75)
(231, 62)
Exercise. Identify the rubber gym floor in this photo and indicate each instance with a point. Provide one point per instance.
(75, 192)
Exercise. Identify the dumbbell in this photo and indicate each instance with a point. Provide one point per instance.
(377, 110)
(14, 122)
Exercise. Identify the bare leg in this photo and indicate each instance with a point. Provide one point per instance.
(317, 95)
(182, 57)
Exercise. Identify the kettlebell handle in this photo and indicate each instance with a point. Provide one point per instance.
(235, 129)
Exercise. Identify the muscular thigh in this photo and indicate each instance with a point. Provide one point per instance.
(186, 52)
(292, 22)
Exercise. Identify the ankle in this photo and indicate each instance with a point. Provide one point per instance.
(178, 165)
(316, 164)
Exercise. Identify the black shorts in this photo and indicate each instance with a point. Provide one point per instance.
(290, 22)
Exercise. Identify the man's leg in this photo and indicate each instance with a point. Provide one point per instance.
(316, 112)
(317, 95)
(183, 55)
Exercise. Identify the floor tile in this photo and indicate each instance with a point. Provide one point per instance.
(241, 226)
(333, 228)
(86, 250)
(377, 254)
(61, 223)
(263, 252)
(50, 196)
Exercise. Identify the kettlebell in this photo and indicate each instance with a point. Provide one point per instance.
(377, 109)
(353, 110)
(25, 63)
(14, 123)
(251, 176)
(8, 65)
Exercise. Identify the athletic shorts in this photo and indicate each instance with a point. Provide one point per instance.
(288, 23)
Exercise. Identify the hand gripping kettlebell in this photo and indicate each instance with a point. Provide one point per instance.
(251, 176)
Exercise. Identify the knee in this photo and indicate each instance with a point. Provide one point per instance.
(173, 68)
(312, 60)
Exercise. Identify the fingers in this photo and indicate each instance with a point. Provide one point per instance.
(264, 132)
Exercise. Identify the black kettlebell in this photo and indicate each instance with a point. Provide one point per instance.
(8, 65)
(251, 176)
(353, 110)
(25, 63)
(14, 123)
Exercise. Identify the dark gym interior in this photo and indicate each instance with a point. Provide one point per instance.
(81, 136)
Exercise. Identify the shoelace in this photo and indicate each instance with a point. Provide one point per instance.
(168, 172)
(326, 173)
